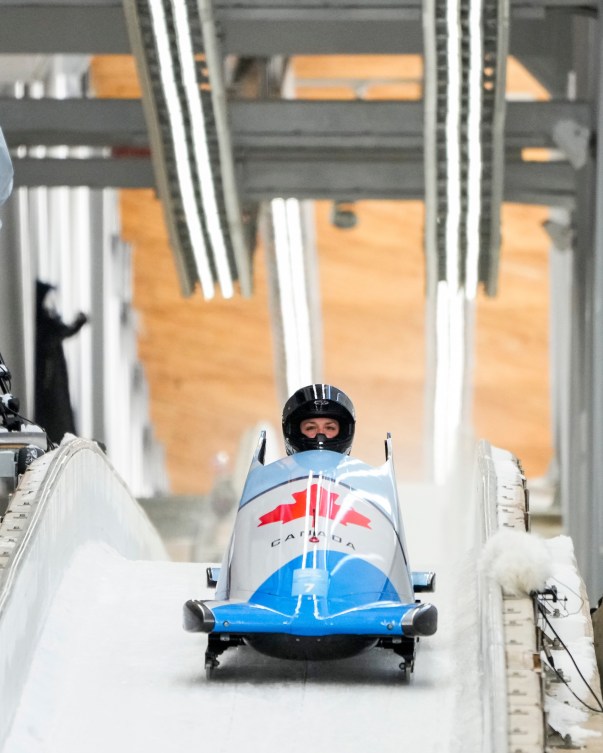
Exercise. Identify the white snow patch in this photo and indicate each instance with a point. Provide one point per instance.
(566, 713)
(568, 720)
(114, 671)
(520, 562)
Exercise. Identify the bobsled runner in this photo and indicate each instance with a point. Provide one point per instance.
(317, 566)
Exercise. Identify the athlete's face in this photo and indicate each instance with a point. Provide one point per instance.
(310, 427)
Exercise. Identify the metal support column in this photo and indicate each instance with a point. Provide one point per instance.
(592, 558)
(17, 302)
(581, 479)
(98, 262)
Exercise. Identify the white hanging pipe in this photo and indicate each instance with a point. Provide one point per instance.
(201, 156)
(292, 293)
(182, 157)
(228, 172)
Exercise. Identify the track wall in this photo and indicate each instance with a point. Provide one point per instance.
(66, 499)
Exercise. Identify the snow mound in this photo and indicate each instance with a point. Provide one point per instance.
(518, 561)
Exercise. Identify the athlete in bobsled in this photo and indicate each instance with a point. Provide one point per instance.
(317, 566)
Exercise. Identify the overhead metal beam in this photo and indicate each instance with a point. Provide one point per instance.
(263, 28)
(306, 149)
(266, 126)
(252, 28)
(314, 30)
(53, 28)
(544, 46)
(548, 183)
(73, 122)
(372, 125)
(533, 183)
(91, 172)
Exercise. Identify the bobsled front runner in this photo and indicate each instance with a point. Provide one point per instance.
(317, 565)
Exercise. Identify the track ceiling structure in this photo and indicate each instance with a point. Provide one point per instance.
(217, 138)
(305, 149)
(215, 145)
(361, 149)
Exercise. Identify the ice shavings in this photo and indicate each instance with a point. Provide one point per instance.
(520, 562)
(568, 618)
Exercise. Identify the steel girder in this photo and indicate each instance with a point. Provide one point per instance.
(267, 27)
(578, 397)
(548, 183)
(266, 126)
(265, 142)
(307, 149)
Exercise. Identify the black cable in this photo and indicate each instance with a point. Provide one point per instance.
(571, 590)
(559, 675)
(5, 383)
(576, 696)
(51, 445)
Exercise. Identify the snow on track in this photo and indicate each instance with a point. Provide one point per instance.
(115, 671)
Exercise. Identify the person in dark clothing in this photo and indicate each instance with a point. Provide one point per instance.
(53, 404)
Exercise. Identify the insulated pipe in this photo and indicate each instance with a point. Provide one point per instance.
(227, 168)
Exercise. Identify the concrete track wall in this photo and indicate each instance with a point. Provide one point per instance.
(67, 498)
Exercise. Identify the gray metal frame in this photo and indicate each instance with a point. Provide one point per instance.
(328, 154)
(581, 479)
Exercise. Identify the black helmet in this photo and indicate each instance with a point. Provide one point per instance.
(318, 401)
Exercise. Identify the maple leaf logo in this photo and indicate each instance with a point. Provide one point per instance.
(317, 502)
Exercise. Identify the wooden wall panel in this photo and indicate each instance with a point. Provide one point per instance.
(210, 364)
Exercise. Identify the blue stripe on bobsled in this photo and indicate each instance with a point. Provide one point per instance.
(351, 579)
(311, 618)
(360, 600)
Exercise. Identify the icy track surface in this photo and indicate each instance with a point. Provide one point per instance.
(115, 671)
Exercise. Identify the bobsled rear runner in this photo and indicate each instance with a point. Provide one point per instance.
(317, 566)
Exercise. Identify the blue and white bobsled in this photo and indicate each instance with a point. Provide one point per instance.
(317, 566)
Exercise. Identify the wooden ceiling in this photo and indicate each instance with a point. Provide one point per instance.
(210, 364)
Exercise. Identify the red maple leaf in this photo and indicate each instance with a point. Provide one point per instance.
(317, 502)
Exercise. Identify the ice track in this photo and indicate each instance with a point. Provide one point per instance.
(114, 670)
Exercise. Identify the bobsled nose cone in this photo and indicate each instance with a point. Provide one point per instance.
(198, 617)
(421, 620)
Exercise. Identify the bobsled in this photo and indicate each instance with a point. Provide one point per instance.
(317, 565)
